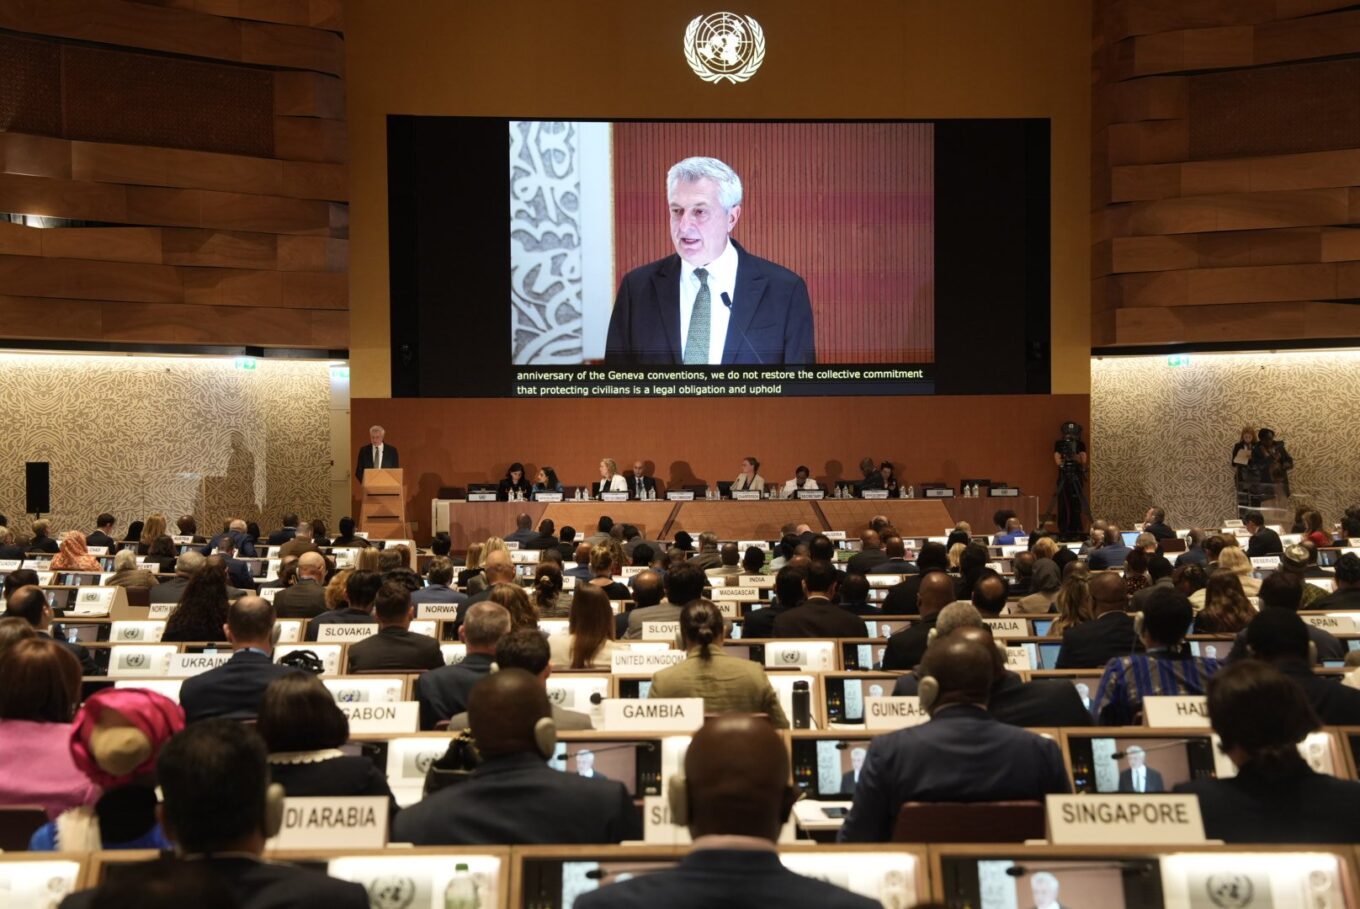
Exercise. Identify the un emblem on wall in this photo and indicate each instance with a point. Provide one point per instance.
(724, 46)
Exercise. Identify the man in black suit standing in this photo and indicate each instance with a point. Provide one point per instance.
(1138, 777)
(442, 693)
(30, 603)
(234, 689)
(1264, 541)
(734, 811)
(514, 797)
(376, 453)
(103, 533)
(712, 302)
(851, 777)
(395, 646)
(1092, 644)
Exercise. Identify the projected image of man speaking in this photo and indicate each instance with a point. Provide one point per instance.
(712, 302)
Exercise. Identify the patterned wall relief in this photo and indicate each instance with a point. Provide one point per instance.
(545, 242)
(1163, 434)
(179, 435)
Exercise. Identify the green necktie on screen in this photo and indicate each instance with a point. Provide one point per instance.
(696, 345)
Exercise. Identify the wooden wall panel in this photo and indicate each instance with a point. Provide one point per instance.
(1229, 177)
(1008, 438)
(174, 172)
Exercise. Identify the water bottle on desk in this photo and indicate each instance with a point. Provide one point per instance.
(461, 893)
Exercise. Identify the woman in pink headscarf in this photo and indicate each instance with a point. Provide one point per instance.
(74, 556)
(115, 740)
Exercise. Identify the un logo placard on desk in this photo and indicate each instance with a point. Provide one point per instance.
(724, 46)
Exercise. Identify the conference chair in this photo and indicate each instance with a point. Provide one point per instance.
(18, 824)
(970, 822)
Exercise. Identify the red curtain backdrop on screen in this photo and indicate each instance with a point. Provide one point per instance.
(848, 206)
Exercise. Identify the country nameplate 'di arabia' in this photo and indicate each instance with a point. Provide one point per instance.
(724, 47)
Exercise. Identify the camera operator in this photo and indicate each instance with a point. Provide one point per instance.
(1069, 454)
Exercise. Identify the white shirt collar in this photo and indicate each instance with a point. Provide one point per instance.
(722, 270)
(721, 279)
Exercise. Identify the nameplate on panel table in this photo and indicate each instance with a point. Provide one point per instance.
(810, 494)
(680, 495)
(1009, 627)
(1267, 561)
(746, 495)
(613, 496)
(436, 610)
(547, 497)
(139, 632)
(1124, 820)
(1003, 492)
(874, 494)
(653, 714)
(736, 593)
(1336, 624)
(644, 661)
(762, 545)
(369, 718)
(1017, 659)
(183, 665)
(10, 564)
(888, 713)
(345, 632)
(660, 631)
(729, 609)
(1176, 711)
(333, 822)
(161, 610)
(93, 601)
(482, 497)
(939, 493)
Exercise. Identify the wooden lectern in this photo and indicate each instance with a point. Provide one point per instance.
(382, 513)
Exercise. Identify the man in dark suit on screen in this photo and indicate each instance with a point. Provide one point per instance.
(712, 302)
(376, 453)
(1138, 776)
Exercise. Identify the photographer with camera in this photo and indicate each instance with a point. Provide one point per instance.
(1069, 455)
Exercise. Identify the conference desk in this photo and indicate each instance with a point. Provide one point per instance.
(470, 522)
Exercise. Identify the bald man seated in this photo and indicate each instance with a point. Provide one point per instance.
(306, 599)
(962, 754)
(906, 647)
(734, 811)
(514, 797)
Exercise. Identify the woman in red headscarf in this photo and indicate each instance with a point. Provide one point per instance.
(115, 740)
(74, 556)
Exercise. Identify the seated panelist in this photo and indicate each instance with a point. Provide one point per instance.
(513, 482)
(749, 478)
(802, 480)
(610, 478)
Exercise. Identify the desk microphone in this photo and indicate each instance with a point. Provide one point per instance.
(1119, 755)
(727, 301)
(1024, 870)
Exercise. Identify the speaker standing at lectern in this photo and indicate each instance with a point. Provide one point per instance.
(376, 454)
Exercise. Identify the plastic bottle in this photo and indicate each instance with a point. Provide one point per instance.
(461, 893)
(911, 492)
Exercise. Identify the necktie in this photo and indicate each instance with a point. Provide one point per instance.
(696, 345)
(377, 457)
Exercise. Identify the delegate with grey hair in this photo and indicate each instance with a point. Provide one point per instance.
(712, 302)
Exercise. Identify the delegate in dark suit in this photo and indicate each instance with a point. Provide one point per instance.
(306, 599)
(818, 617)
(232, 690)
(1264, 542)
(389, 459)
(906, 647)
(100, 538)
(257, 884)
(771, 320)
(1303, 806)
(963, 754)
(901, 598)
(444, 692)
(519, 799)
(721, 877)
(87, 663)
(238, 575)
(1092, 644)
(1153, 782)
(395, 648)
(334, 616)
(1015, 702)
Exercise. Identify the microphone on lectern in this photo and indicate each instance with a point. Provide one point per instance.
(727, 301)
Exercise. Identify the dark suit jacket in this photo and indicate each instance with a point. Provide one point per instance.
(1161, 532)
(901, 598)
(892, 566)
(1303, 807)
(520, 799)
(257, 884)
(906, 647)
(390, 459)
(44, 544)
(281, 536)
(818, 617)
(100, 538)
(1107, 557)
(444, 692)
(238, 574)
(1335, 704)
(245, 547)
(169, 591)
(306, 599)
(865, 561)
(1344, 598)
(1329, 646)
(1264, 542)
(397, 649)
(648, 485)
(1092, 644)
(232, 690)
(963, 754)
(724, 877)
(760, 622)
(522, 537)
(87, 664)
(1154, 782)
(334, 615)
(1015, 702)
(7, 553)
(771, 319)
